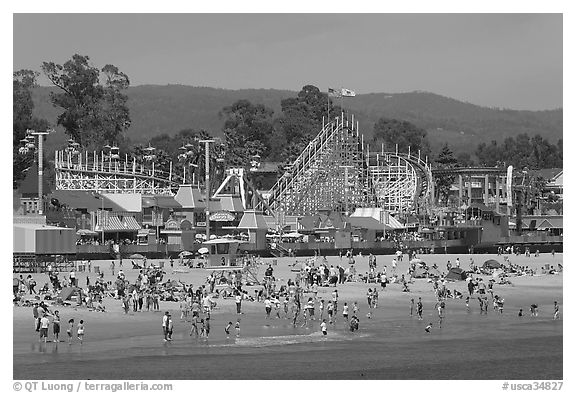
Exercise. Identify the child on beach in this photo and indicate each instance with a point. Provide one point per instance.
(345, 311)
(237, 328)
(520, 313)
(321, 307)
(323, 327)
(202, 328)
(330, 311)
(428, 327)
(534, 310)
(468, 304)
(69, 330)
(411, 307)
(81, 331)
(277, 307)
(268, 307)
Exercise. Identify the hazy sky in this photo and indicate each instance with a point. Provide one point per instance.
(508, 60)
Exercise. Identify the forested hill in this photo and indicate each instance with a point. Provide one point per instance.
(168, 109)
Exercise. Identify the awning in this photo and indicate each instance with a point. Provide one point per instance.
(114, 224)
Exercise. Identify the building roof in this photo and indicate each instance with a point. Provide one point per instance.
(252, 220)
(127, 202)
(231, 203)
(189, 197)
(380, 215)
(162, 201)
(83, 200)
(543, 222)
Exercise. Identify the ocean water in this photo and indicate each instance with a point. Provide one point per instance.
(467, 347)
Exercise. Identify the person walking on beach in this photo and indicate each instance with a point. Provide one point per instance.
(207, 326)
(335, 300)
(170, 327)
(227, 330)
(369, 298)
(321, 308)
(440, 307)
(411, 307)
(534, 310)
(56, 324)
(556, 310)
(419, 308)
(194, 327)
(80, 331)
(468, 304)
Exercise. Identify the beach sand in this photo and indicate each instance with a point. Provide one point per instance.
(391, 345)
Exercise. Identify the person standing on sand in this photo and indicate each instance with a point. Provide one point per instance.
(419, 308)
(80, 331)
(227, 330)
(345, 311)
(44, 323)
(165, 325)
(411, 307)
(324, 328)
(170, 327)
(237, 328)
(238, 300)
(69, 330)
(56, 322)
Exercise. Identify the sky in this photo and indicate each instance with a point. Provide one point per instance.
(495, 60)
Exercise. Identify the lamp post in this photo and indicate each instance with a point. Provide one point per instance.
(207, 157)
(30, 136)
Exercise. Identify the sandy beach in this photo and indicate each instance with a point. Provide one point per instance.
(391, 345)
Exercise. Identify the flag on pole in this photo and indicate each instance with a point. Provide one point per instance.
(334, 93)
(348, 93)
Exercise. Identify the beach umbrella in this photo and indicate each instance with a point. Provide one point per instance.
(203, 250)
(185, 254)
(136, 256)
(491, 264)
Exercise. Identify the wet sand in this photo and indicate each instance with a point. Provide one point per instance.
(391, 345)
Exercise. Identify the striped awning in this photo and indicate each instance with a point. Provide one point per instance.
(114, 224)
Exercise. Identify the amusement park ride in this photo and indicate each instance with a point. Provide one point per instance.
(335, 171)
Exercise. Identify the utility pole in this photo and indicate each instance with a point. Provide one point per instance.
(207, 157)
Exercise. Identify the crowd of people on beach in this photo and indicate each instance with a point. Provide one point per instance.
(297, 300)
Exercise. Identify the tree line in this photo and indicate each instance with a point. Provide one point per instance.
(94, 113)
